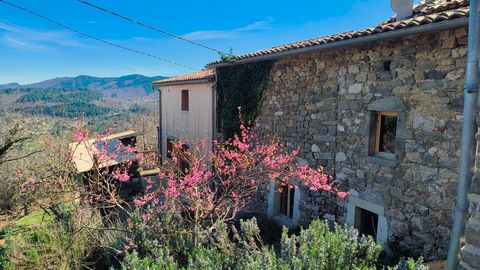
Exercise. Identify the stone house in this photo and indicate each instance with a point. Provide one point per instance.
(186, 110)
(381, 109)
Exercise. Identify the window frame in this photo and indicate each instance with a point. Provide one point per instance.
(360, 222)
(389, 105)
(374, 205)
(185, 100)
(290, 202)
(378, 133)
(273, 199)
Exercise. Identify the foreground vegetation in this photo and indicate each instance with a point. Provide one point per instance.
(70, 221)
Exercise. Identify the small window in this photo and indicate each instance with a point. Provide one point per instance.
(387, 65)
(169, 148)
(385, 125)
(185, 100)
(286, 199)
(366, 222)
(184, 163)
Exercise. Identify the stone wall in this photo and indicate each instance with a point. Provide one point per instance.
(470, 254)
(319, 102)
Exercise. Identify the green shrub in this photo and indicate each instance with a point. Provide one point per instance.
(38, 241)
(320, 248)
(133, 262)
(410, 264)
(226, 247)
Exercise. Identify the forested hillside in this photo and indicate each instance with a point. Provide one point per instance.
(131, 86)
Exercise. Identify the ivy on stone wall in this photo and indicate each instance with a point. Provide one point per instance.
(240, 86)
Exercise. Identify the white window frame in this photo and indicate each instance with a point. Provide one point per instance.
(272, 209)
(382, 228)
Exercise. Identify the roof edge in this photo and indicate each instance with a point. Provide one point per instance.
(184, 82)
(444, 25)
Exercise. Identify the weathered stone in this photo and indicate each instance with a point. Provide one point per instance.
(448, 162)
(435, 75)
(355, 88)
(425, 122)
(471, 256)
(323, 155)
(432, 151)
(324, 138)
(390, 104)
(472, 232)
(340, 157)
(315, 148)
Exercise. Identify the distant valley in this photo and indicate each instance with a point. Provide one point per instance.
(82, 95)
(124, 87)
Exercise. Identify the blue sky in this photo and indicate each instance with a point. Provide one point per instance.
(32, 50)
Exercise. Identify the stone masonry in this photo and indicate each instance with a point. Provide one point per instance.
(320, 102)
(470, 254)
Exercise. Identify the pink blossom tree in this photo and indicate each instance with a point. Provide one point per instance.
(106, 164)
(215, 186)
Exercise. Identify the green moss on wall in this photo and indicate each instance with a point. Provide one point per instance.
(240, 86)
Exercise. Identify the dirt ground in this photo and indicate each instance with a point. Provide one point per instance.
(440, 265)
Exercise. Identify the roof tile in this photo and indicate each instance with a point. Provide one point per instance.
(205, 74)
(426, 12)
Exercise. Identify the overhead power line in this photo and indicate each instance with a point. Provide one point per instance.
(151, 27)
(93, 37)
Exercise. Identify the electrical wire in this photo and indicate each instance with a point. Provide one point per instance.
(151, 27)
(93, 37)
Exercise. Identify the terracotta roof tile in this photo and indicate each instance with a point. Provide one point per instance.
(205, 74)
(426, 12)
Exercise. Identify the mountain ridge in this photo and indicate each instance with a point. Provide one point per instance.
(133, 83)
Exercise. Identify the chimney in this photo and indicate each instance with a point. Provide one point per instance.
(403, 8)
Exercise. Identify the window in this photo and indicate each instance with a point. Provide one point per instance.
(183, 159)
(384, 135)
(169, 148)
(185, 100)
(368, 217)
(386, 129)
(285, 201)
(387, 65)
(366, 222)
(184, 163)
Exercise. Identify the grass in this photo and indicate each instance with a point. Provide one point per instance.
(34, 219)
(36, 242)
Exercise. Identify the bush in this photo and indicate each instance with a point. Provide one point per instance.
(410, 264)
(225, 247)
(43, 246)
(319, 248)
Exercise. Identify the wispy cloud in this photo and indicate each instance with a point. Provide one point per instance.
(33, 40)
(229, 34)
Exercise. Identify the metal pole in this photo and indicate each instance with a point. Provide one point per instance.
(469, 129)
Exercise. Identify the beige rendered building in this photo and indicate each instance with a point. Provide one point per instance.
(186, 110)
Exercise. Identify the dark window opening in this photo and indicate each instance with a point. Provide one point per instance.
(366, 222)
(383, 137)
(185, 100)
(184, 164)
(286, 201)
(387, 132)
(129, 141)
(386, 65)
(169, 148)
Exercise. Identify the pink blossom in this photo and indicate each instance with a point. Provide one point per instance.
(342, 195)
(121, 176)
(80, 136)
